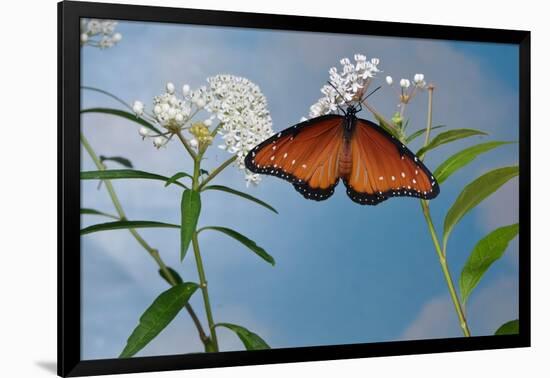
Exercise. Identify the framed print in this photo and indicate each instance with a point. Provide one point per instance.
(240, 188)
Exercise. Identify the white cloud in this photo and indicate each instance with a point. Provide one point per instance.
(437, 319)
(489, 307)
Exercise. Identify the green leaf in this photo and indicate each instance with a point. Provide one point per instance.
(190, 211)
(448, 137)
(388, 127)
(118, 159)
(473, 194)
(244, 240)
(250, 340)
(240, 194)
(463, 158)
(485, 253)
(123, 114)
(119, 225)
(107, 94)
(508, 328)
(176, 177)
(161, 312)
(115, 174)
(174, 274)
(418, 133)
(88, 211)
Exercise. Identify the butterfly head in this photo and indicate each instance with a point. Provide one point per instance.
(352, 110)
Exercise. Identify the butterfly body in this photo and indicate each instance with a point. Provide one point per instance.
(314, 155)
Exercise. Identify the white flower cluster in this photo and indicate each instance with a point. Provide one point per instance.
(171, 112)
(242, 110)
(237, 103)
(98, 33)
(347, 85)
(418, 81)
(408, 89)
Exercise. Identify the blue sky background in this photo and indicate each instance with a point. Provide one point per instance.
(345, 273)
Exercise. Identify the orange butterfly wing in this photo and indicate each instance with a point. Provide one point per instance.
(383, 167)
(305, 154)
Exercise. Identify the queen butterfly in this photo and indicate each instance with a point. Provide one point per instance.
(314, 155)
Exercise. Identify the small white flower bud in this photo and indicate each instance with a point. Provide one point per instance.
(186, 89)
(138, 108)
(143, 131)
(157, 109)
(172, 113)
(389, 80)
(165, 107)
(83, 38)
(159, 141)
(208, 122)
(405, 83)
(375, 61)
(418, 78)
(170, 88)
(117, 37)
(179, 117)
(201, 103)
(194, 143)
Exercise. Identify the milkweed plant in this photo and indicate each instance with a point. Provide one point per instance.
(231, 113)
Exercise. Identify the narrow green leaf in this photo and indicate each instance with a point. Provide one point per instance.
(190, 211)
(463, 158)
(88, 211)
(174, 274)
(250, 340)
(448, 137)
(107, 94)
(508, 328)
(118, 159)
(240, 194)
(115, 174)
(161, 312)
(244, 240)
(420, 132)
(123, 114)
(473, 194)
(485, 253)
(119, 225)
(176, 177)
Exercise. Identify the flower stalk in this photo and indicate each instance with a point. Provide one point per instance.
(440, 253)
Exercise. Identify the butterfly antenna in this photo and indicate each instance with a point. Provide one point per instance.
(374, 90)
(341, 95)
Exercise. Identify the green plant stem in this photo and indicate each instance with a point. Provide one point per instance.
(217, 171)
(186, 145)
(204, 289)
(200, 266)
(430, 112)
(152, 251)
(440, 253)
(445, 269)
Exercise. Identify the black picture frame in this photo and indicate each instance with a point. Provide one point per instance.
(69, 319)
